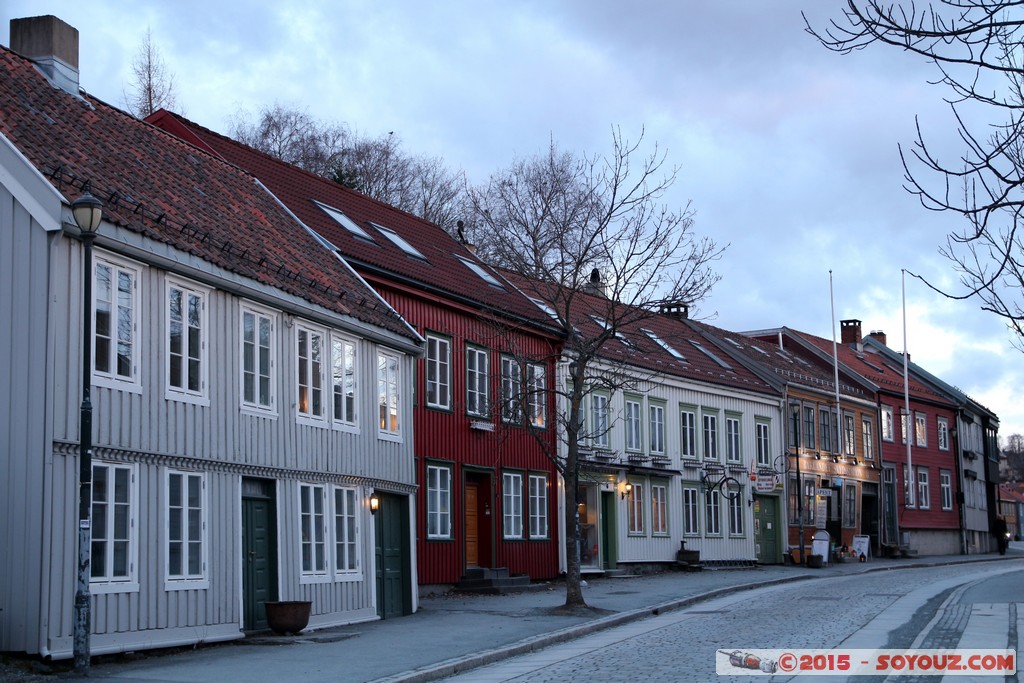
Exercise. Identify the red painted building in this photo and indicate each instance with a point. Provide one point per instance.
(920, 502)
(487, 496)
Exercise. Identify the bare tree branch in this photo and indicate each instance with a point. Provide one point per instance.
(152, 86)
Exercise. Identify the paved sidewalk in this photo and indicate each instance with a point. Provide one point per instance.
(453, 633)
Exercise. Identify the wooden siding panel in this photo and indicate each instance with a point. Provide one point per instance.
(25, 349)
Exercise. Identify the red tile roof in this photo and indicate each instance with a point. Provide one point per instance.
(635, 345)
(441, 270)
(877, 369)
(154, 184)
(788, 365)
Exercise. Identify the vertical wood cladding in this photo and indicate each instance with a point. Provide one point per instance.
(447, 436)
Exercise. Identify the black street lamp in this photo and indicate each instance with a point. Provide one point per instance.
(88, 212)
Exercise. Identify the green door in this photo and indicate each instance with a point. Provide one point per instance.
(766, 530)
(609, 549)
(391, 532)
(259, 556)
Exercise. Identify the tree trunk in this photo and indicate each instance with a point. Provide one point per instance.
(573, 589)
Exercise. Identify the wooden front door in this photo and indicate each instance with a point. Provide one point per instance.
(259, 552)
(766, 533)
(472, 524)
(391, 532)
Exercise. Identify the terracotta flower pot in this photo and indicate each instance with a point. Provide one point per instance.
(288, 616)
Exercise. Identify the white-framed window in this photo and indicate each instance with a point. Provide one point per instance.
(888, 433)
(923, 490)
(943, 430)
(115, 511)
(732, 439)
(186, 342)
(849, 504)
(810, 496)
(538, 492)
(736, 506)
(115, 310)
(634, 430)
(259, 360)
(809, 440)
(903, 426)
(762, 435)
(477, 382)
(849, 436)
(825, 433)
(636, 508)
(439, 372)
(309, 372)
(867, 434)
(536, 395)
(969, 493)
(710, 436)
(511, 390)
(388, 396)
(688, 432)
(712, 513)
(979, 494)
(313, 530)
(599, 434)
(921, 429)
(329, 517)
(346, 531)
(512, 504)
(185, 530)
(439, 502)
(946, 489)
(691, 512)
(659, 509)
(344, 381)
(656, 413)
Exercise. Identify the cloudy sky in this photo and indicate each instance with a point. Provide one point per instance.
(786, 152)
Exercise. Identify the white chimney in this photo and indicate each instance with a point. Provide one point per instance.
(52, 45)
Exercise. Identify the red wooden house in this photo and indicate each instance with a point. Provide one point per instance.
(487, 489)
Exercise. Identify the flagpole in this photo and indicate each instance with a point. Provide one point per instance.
(835, 366)
(911, 477)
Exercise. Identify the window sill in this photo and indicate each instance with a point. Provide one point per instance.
(181, 397)
(107, 588)
(185, 584)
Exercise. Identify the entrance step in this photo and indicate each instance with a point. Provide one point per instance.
(491, 581)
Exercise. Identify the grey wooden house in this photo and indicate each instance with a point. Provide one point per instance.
(251, 393)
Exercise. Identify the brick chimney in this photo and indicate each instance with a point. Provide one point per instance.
(878, 336)
(680, 311)
(52, 45)
(849, 331)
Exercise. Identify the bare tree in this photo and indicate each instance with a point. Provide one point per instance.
(974, 46)
(1013, 455)
(295, 137)
(152, 85)
(376, 167)
(588, 238)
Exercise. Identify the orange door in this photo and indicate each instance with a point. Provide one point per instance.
(472, 526)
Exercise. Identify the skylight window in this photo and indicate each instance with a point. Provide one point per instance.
(544, 306)
(700, 347)
(734, 342)
(344, 221)
(480, 272)
(399, 241)
(665, 345)
(760, 350)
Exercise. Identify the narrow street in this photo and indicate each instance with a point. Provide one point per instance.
(938, 607)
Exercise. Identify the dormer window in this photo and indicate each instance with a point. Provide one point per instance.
(344, 221)
(399, 241)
